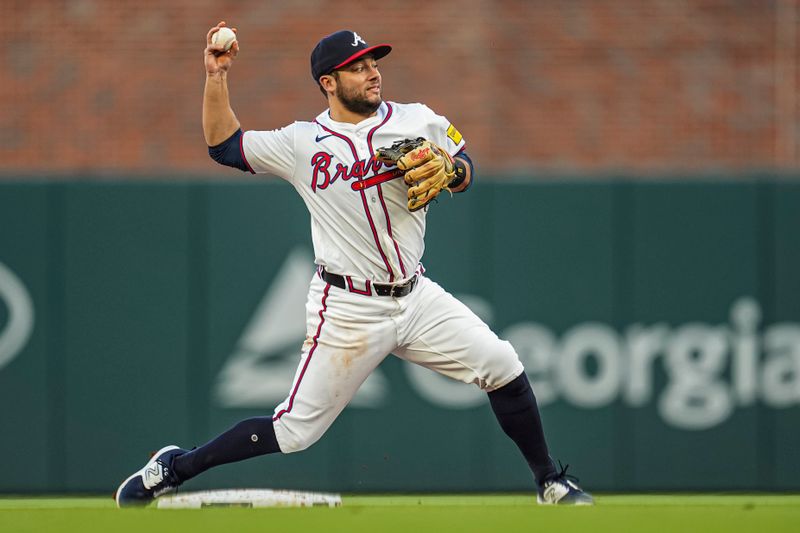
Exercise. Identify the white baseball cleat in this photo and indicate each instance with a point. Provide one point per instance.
(561, 489)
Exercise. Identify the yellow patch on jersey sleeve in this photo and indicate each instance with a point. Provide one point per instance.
(454, 134)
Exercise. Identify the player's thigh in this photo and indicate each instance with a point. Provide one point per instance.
(339, 353)
(447, 337)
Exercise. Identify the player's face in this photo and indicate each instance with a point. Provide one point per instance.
(358, 86)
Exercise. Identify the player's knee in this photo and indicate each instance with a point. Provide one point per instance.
(298, 444)
(503, 365)
(296, 438)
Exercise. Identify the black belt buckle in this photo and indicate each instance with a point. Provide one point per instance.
(395, 289)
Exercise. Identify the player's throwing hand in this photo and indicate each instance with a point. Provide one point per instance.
(217, 59)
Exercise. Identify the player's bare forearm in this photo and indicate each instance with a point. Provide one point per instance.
(219, 120)
(468, 178)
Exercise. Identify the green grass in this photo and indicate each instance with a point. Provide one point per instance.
(419, 513)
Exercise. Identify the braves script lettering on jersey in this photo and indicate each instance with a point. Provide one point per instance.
(363, 231)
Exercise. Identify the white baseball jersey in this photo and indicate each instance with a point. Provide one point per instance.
(360, 223)
(362, 230)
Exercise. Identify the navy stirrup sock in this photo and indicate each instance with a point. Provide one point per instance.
(515, 407)
(248, 438)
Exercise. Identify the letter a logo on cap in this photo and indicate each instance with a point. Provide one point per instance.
(356, 39)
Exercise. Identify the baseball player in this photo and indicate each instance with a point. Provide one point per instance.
(367, 170)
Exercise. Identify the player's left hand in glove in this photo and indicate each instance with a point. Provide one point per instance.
(427, 168)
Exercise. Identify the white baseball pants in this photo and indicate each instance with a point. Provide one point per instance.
(349, 334)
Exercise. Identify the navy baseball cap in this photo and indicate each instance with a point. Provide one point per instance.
(340, 48)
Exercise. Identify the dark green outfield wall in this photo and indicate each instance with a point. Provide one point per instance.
(660, 323)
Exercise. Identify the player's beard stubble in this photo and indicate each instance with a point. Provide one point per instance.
(355, 102)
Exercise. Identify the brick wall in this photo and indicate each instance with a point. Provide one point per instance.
(648, 86)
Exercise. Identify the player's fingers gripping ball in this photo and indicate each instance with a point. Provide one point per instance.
(427, 168)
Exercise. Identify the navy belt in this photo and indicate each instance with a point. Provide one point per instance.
(380, 289)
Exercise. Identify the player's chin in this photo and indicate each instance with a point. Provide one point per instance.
(374, 102)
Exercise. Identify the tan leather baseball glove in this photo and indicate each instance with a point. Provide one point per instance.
(427, 168)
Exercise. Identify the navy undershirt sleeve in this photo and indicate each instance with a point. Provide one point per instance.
(463, 155)
(229, 152)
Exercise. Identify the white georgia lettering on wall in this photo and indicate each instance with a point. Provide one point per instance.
(711, 370)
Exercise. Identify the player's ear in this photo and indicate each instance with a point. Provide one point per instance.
(327, 83)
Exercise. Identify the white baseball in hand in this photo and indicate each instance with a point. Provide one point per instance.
(225, 37)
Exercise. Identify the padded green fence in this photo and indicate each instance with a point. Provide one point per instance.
(659, 322)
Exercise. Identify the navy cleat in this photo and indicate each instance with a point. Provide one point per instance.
(155, 479)
(561, 489)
